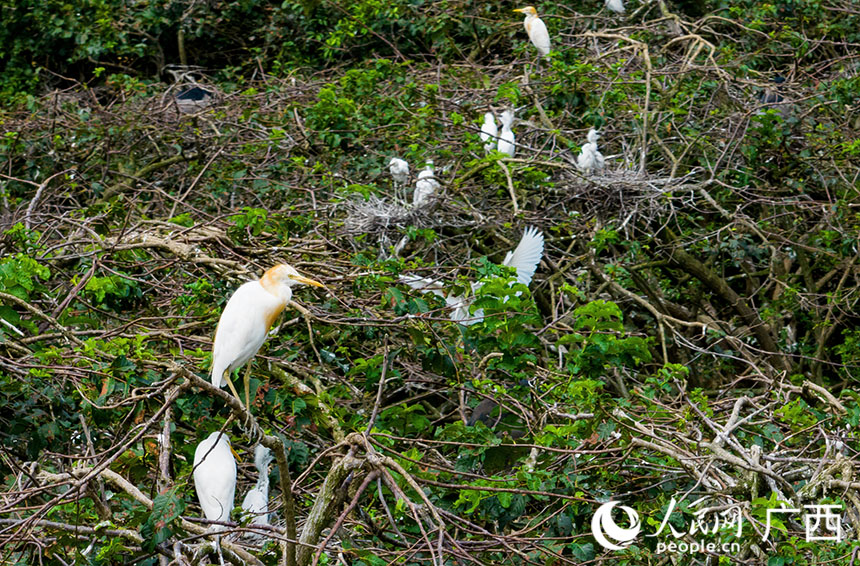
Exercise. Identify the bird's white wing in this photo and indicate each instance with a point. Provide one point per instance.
(539, 36)
(424, 284)
(242, 328)
(527, 255)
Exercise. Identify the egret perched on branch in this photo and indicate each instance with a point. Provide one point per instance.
(536, 29)
(616, 6)
(506, 138)
(589, 158)
(215, 480)
(489, 132)
(426, 186)
(256, 502)
(524, 258)
(246, 320)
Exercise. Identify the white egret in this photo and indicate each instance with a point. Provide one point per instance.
(489, 132)
(524, 258)
(215, 478)
(589, 158)
(215, 481)
(426, 186)
(616, 6)
(256, 502)
(506, 138)
(536, 29)
(246, 320)
(399, 170)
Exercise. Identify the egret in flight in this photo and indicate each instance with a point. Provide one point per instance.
(589, 158)
(215, 480)
(246, 320)
(536, 29)
(256, 502)
(506, 138)
(489, 132)
(425, 187)
(524, 258)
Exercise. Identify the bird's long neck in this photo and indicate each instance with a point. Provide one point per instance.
(280, 292)
(271, 285)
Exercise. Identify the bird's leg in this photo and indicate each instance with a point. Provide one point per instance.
(248, 387)
(232, 387)
(218, 546)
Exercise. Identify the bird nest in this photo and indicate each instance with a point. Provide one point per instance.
(375, 215)
(624, 194)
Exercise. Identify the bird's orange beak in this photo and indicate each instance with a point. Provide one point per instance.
(520, 10)
(238, 459)
(305, 280)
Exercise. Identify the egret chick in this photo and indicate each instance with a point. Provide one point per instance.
(215, 478)
(246, 320)
(524, 258)
(506, 138)
(256, 502)
(616, 6)
(589, 158)
(489, 132)
(425, 187)
(399, 170)
(536, 29)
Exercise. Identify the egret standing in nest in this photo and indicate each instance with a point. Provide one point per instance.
(524, 258)
(246, 320)
(589, 158)
(506, 138)
(425, 187)
(256, 502)
(215, 480)
(489, 132)
(399, 170)
(536, 29)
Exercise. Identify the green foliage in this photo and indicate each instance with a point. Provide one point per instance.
(20, 275)
(599, 341)
(160, 525)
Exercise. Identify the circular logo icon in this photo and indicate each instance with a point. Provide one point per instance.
(606, 530)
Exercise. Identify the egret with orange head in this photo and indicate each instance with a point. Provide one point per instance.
(246, 320)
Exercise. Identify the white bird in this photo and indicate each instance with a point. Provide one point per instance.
(589, 158)
(524, 258)
(616, 6)
(536, 29)
(399, 170)
(246, 320)
(256, 502)
(215, 478)
(489, 132)
(506, 138)
(425, 187)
